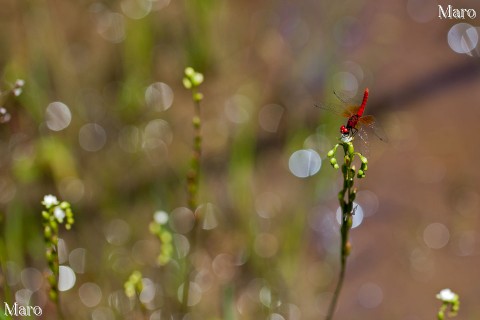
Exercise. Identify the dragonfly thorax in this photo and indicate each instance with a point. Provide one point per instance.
(352, 122)
(351, 126)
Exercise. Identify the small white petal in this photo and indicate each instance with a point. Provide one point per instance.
(446, 295)
(59, 214)
(17, 92)
(49, 201)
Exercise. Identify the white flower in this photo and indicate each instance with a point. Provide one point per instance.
(49, 201)
(446, 295)
(59, 214)
(160, 217)
(17, 92)
(19, 83)
(346, 137)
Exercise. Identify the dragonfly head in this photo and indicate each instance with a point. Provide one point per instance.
(344, 130)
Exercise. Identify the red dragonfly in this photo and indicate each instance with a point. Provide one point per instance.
(357, 120)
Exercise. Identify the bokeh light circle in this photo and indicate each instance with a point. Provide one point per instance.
(346, 83)
(436, 235)
(90, 294)
(237, 108)
(194, 294)
(110, 25)
(159, 96)
(32, 279)
(182, 220)
(370, 295)
(66, 278)
(136, 9)
(304, 163)
(462, 38)
(117, 232)
(92, 137)
(58, 116)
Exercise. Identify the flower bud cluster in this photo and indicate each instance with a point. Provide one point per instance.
(348, 159)
(450, 300)
(134, 285)
(159, 228)
(192, 80)
(54, 214)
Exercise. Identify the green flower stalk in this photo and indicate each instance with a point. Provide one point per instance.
(134, 285)
(54, 214)
(450, 301)
(158, 227)
(191, 81)
(346, 196)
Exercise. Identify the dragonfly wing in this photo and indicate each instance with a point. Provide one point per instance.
(350, 111)
(363, 144)
(377, 129)
(332, 108)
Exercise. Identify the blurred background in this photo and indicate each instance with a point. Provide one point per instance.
(104, 123)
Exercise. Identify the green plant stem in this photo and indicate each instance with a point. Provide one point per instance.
(192, 190)
(56, 274)
(3, 267)
(345, 198)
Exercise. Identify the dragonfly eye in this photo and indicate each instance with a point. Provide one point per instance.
(343, 130)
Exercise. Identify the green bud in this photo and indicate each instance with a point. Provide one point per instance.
(166, 237)
(47, 231)
(163, 260)
(167, 249)
(197, 79)
(189, 72)
(351, 150)
(129, 291)
(331, 153)
(455, 306)
(53, 295)
(187, 83)
(197, 97)
(333, 161)
(440, 315)
(196, 122)
(51, 280)
(360, 172)
(336, 166)
(364, 159)
(64, 205)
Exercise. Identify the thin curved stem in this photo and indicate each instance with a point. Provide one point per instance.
(336, 294)
(192, 190)
(347, 212)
